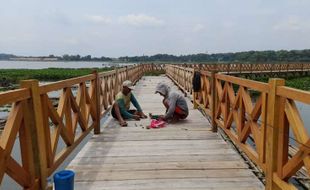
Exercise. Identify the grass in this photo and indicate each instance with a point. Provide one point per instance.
(13, 76)
(302, 83)
(50, 74)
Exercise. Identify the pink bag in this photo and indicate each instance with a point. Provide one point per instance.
(157, 123)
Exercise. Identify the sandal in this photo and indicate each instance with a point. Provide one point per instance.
(123, 124)
(143, 117)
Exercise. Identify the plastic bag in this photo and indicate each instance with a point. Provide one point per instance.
(157, 123)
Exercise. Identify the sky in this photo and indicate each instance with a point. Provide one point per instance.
(115, 28)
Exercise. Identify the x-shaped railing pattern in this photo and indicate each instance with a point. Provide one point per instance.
(260, 118)
(40, 119)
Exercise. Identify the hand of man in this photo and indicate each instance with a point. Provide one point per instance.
(162, 117)
(136, 117)
(142, 115)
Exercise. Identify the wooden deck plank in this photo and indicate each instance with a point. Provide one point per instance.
(244, 183)
(183, 155)
(163, 165)
(151, 159)
(83, 175)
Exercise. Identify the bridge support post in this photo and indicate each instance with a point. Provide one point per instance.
(38, 135)
(273, 126)
(213, 101)
(96, 85)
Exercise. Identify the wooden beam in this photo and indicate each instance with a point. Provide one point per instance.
(96, 97)
(272, 132)
(213, 102)
(33, 85)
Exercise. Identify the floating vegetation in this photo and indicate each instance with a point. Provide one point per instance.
(50, 74)
(302, 83)
(154, 73)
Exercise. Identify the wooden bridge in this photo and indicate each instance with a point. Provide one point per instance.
(184, 155)
(188, 155)
(252, 70)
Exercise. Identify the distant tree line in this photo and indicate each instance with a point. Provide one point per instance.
(65, 57)
(4, 56)
(248, 56)
(77, 57)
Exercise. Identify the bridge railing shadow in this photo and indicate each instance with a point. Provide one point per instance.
(261, 119)
(49, 121)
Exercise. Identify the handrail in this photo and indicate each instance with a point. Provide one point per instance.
(259, 128)
(39, 120)
(230, 68)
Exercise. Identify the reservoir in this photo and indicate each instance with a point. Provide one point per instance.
(57, 64)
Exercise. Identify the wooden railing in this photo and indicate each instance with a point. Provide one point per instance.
(19, 126)
(260, 128)
(182, 76)
(257, 117)
(252, 67)
(289, 120)
(154, 67)
(39, 120)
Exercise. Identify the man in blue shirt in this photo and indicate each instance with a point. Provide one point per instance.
(121, 107)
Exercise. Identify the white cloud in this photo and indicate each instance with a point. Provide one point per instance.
(71, 41)
(140, 20)
(228, 24)
(291, 24)
(98, 19)
(198, 27)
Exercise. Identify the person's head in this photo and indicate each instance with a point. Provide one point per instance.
(127, 87)
(162, 89)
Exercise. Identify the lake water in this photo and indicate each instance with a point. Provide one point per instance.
(57, 64)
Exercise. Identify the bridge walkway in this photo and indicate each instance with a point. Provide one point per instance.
(185, 155)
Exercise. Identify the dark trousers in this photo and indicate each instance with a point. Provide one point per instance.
(114, 114)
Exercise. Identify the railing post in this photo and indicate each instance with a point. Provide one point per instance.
(184, 79)
(142, 71)
(195, 105)
(38, 135)
(116, 81)
(287, 67)
(96, 86)
(126, 72)
(273, 103)
(213, 101)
